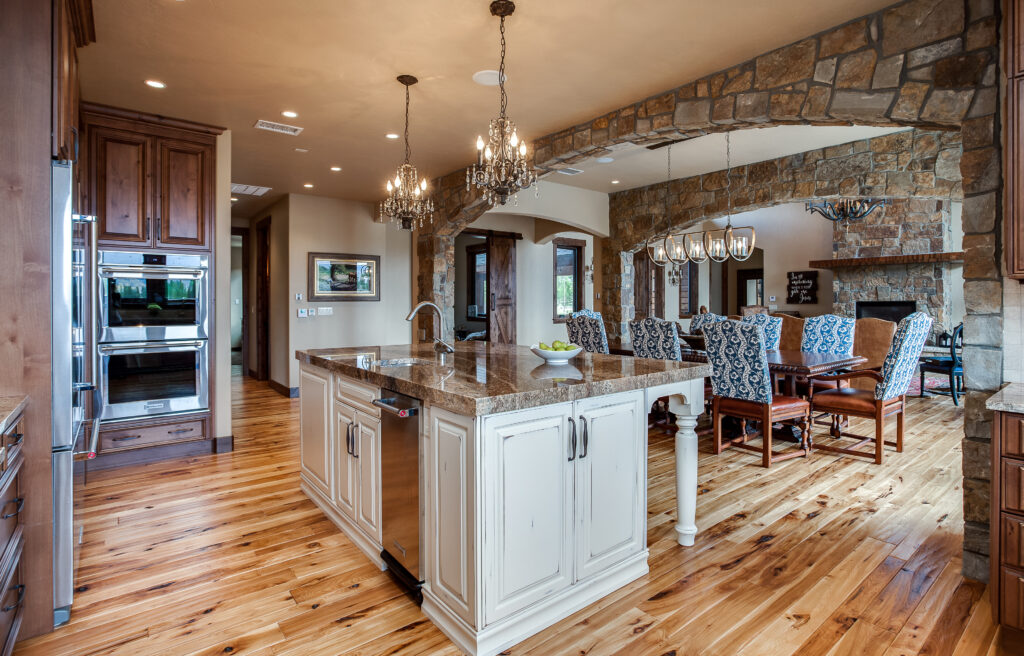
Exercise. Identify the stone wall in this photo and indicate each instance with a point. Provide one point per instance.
(919, 63)
(905, 227)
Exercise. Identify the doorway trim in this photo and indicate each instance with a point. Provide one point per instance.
(262, 233)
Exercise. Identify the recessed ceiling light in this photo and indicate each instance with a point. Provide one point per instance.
(302, 150)
(487, 78)
(308, 185)
(605, 160)
(391, 135)
(289, 113)
(615, 182)
(335, 168)
(234, 199)
(156, 84)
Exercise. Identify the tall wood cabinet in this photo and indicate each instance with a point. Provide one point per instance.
(150, 179)
(1013, 209)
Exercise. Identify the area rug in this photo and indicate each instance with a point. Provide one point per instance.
(930, 382)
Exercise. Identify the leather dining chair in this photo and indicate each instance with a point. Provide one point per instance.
(586, 329)
(772, 327)
(742, 388)
(655, 338)
(872, 339)
(698, 321)
(792, 332)
(888, 398)
(828, 333)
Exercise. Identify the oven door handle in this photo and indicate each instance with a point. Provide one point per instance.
(162, 347)
(168, 273)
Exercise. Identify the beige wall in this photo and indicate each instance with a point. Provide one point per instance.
(221, 382)
(329, 225)
(534, 277)
(579, 208)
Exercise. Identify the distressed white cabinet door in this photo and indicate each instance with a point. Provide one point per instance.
(345, 485)
(528, 507)
(315, 427)
(368, 462)
(611, 481)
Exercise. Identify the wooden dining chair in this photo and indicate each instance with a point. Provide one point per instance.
(586, 329)
(698, 321)
(828, 333)
(655, 338)
(951, 365)
(888, 398)
(772, 327)
(742, 388)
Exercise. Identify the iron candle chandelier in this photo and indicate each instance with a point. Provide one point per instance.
(407, 203)
(501, 168)
(846, 209)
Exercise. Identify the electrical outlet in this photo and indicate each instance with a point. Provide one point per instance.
(325, 311)
(303, 313)
(312, 312)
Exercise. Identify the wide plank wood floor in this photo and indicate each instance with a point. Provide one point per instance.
(828, 555)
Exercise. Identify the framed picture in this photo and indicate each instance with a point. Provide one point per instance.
(343, 277)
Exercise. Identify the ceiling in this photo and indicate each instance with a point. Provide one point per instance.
(334, 62)
(638, 166)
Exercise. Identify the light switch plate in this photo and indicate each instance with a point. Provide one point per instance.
(771, 299)
(312, 312)
(303, 313)
(298, 296)
(325, 311)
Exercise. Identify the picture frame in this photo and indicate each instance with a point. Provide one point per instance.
(342, 277)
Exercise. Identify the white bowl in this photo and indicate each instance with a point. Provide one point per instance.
(556, 357)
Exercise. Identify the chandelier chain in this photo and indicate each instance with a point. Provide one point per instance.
(408, 150)
(501, 70)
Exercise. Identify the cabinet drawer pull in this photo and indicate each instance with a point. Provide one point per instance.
(147, 227)
(356, 429)
(126, 438)
(586, 438)
(572, 439)
(17, 437)
(20, 501)
(180, 431)
(348, 439)
(19, 602)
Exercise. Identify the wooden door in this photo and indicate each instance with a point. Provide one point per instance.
(1013, 235)
(315, 427)
(121, 185)
(528, 503)
(186, 195)
(367, 452)
(611, 481)
(344, 487)
(501, 287)
(263, 299)
(65, 86)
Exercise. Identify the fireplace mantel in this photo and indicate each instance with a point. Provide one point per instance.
(885, 260)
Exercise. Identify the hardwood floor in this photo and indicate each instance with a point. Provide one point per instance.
(828, 555)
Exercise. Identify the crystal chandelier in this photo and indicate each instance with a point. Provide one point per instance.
(846, 209)
(501, 168)
(407, 203)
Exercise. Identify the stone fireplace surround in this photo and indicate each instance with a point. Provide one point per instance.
(927, 64)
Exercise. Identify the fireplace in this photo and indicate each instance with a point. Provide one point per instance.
(888, 310)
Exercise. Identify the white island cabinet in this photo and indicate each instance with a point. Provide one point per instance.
(527, 513)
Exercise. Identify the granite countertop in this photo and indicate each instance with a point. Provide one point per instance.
(1008, 399)
(10, 408)
(481, 379)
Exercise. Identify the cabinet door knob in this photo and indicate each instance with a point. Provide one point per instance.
(572, 439)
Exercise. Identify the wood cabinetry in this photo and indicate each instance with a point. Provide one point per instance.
(150, 179)
(1013, 214)
(13, 499)
(1006, 581)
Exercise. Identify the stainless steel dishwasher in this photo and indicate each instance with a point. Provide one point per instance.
(400, 487)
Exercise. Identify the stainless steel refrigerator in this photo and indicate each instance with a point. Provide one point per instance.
(73, 358)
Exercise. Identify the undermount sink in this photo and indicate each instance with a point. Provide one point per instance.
(403, 362)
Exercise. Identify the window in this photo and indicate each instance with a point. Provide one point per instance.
(688, 290)
(568, 277)
(476, 290)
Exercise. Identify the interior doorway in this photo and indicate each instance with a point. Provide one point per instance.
(485, 286)
(240, 278)
(749, 288)
(262, 318)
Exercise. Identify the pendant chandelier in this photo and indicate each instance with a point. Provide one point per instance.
(846, 209)
(408, 204)
(502, 168)
(658, 251)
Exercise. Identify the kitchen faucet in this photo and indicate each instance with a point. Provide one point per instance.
(440, 346)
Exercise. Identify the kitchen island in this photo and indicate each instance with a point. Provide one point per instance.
(532, 477)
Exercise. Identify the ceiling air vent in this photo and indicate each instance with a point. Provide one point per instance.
(248, 190)
(570, 171)
(281, 128)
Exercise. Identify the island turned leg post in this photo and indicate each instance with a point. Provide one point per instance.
(686, 412)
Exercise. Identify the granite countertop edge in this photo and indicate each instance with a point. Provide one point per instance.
(509, 402)
(1009, 399)
(11, 406)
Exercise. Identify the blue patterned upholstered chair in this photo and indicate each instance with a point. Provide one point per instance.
(742, 388)
(586, 329)
(655, 338)
(698, 321)
(828, 333)
(885, 400)
(772, 327)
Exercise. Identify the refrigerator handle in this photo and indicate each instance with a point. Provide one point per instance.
(94, 440)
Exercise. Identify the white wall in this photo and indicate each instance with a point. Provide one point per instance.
(221, 382)
(580, 208)
(330, 225)
(534, 277)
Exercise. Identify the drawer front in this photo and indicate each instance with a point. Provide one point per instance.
(1011, 597)
(132, 438)
(1011, 535)
(12, 597)
(11, 443)
(1012, 485)
(1012, 434)
(357, 394)
(12, 502)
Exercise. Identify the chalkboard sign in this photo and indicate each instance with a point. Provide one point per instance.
(802, 287)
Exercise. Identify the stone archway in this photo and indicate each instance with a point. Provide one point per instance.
(921, 63)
